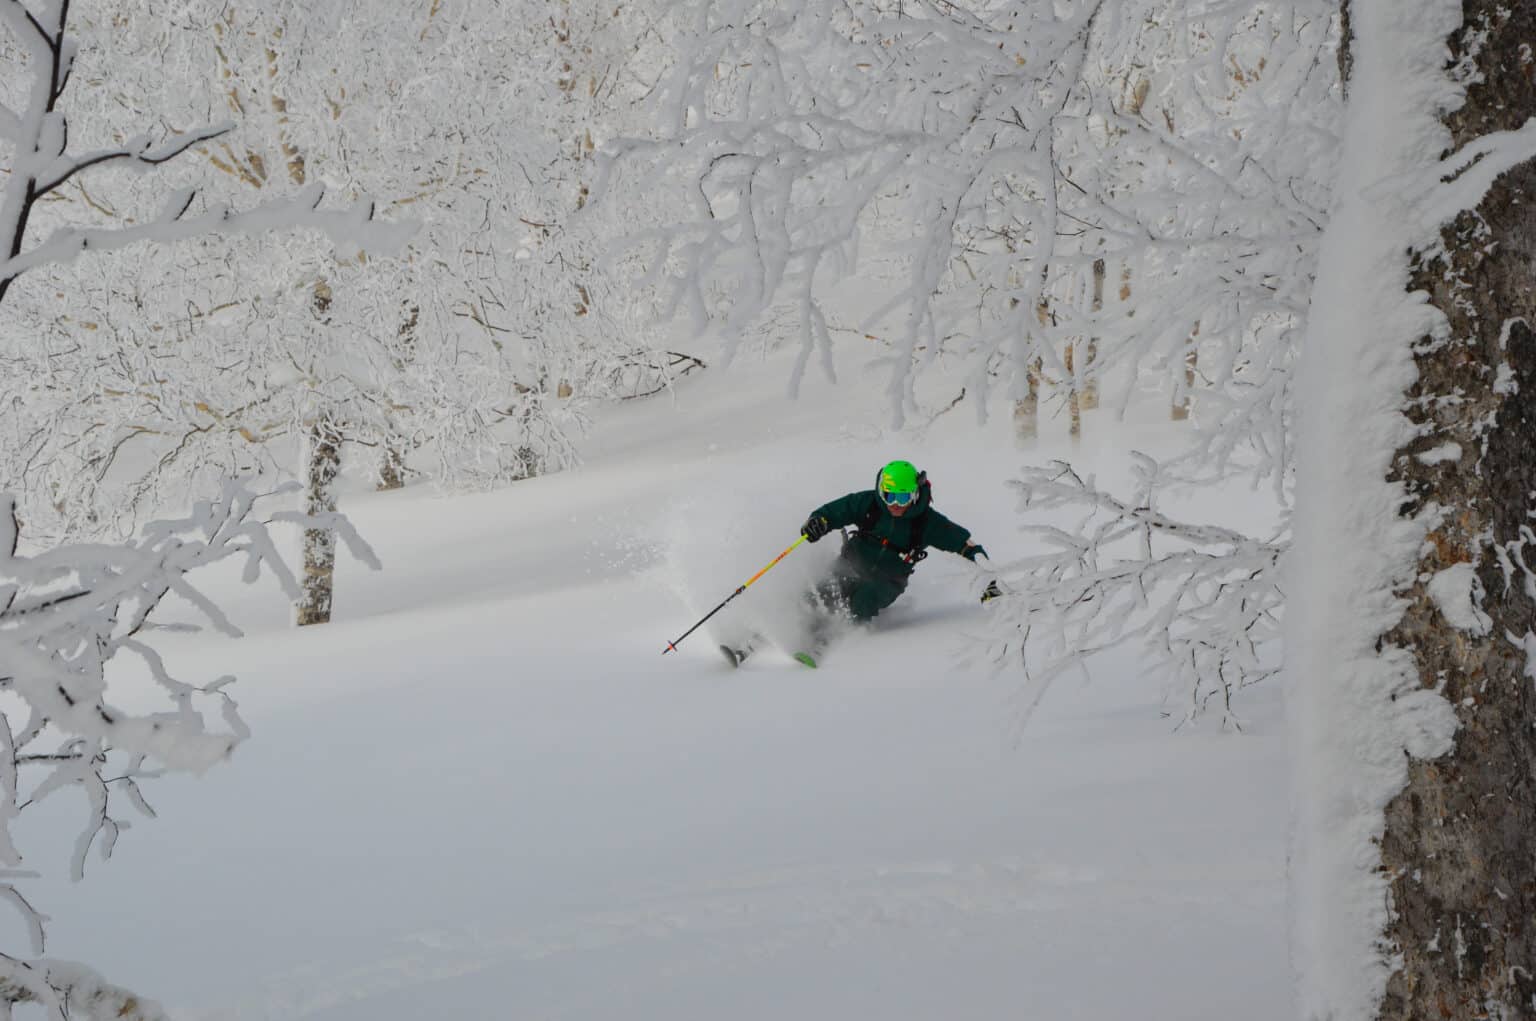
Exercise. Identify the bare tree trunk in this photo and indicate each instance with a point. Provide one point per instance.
(392, 466)
(1090, 396)
(323, 465)
(1182, 398)
(391, 469)
(1074, 397)
(1026, 411)
(1460, 840)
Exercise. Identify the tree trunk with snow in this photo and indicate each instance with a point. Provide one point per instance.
(323, 456)
(1183, 396)
(1460, 841)
(1026, 410)
(1410, 644)
(391, 469)
(1074, 401)
(1090, 396)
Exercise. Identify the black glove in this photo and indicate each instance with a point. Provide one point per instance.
(972, 551)
(992, 591)
(815, 527)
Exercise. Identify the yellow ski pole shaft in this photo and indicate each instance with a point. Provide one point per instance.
(671, 646)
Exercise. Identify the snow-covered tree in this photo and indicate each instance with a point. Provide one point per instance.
(1105, 196)
(1199, 154)
(790, 122)
(42, 158)
(1411, 624)
(987, 166)
(474, 356)
(66, 612)
(90, 399)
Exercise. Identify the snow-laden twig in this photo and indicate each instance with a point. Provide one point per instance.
(41, 164)
(71, 992)
(1199, 602)
(354, 225)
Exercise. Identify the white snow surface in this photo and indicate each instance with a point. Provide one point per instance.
(483, 793)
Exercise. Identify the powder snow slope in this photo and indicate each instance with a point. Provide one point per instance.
(484, 793)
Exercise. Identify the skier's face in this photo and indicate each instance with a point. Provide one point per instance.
(899, 503)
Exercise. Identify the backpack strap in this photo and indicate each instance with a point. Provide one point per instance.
(918, 547)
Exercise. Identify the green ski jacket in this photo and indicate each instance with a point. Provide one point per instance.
(866, 548)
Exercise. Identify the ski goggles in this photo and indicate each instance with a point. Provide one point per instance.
(899, 499)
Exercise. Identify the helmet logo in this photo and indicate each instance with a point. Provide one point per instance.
(898, 477)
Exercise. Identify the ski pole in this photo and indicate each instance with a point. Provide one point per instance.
(673, 645)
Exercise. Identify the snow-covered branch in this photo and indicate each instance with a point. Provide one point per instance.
(71, 992)
(354, 225)
(65, 614)
(140, 151)
(1117, 197)
(38, 137)
(792, 124)
(1087, 197)
(470, 361)
(1200, 602)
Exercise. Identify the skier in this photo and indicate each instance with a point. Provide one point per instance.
(894, 524)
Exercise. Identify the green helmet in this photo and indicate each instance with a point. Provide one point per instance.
(897, 477)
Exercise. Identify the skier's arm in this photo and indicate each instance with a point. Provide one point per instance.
(945, 535)
(843, 511)
(942, 533)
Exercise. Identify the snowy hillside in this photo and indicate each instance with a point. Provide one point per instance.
(483, 793)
